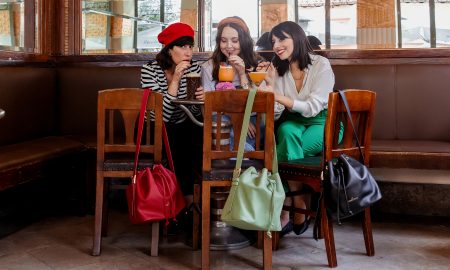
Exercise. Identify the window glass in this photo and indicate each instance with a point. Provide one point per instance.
(442, 15)
(343, 24)
(311, 18)
(12, 24)
(415, 21)
(248, 10)
(130, 25)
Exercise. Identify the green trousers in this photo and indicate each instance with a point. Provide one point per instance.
(300, 136)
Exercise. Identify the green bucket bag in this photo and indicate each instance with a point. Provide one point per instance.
(256, 197)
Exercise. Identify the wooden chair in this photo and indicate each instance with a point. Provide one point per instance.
(308, 170)
(217, 166)
(118, 111)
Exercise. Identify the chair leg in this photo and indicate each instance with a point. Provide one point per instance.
(367, 231)
(267, 252)
(275, 240)
(327, 230)
(206, 200)
(99, 195)
(155, 239)
(105, 219)
(196, 218)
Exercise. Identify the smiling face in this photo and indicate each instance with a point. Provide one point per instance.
(229, 42)
(181, 53)
(283, 46)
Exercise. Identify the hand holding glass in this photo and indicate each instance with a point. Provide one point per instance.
(257, 77)
(192, 83)
(226, 73)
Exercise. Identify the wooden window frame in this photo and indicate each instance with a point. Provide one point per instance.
(54, 26)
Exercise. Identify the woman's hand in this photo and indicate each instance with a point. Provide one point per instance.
(176, 77)
(262, 66)
(237, 63)
(200, 93)
(179, 70)
(267, 88)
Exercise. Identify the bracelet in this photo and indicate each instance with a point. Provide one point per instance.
(244, 85)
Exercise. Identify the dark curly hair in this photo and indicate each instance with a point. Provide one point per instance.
(164, 59)
(302, 48)
(246, 46)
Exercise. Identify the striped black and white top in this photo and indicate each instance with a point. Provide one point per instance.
(153, 76)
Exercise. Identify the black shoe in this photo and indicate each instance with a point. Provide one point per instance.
(301, 228)
(286, 229)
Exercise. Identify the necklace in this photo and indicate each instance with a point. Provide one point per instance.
(298, 78)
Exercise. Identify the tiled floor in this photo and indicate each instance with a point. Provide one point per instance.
(65, 243)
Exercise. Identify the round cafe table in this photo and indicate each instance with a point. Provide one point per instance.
(223, 236)
(2, 113)
(182, 103)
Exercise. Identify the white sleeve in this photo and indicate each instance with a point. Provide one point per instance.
(207, 80)
(322, 85)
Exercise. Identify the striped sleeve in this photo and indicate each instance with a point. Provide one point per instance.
(152, 76)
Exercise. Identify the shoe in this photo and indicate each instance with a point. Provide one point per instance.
(286, 229)
(301, 228)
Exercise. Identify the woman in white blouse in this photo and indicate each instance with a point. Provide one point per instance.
(301, 81)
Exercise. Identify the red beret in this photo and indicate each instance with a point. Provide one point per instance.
(174, 32)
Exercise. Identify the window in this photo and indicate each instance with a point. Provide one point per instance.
(311, 17)
(130, 25)
(17, 31)
(218, 9)
(343, 24)
(415, 24)
(442, 12)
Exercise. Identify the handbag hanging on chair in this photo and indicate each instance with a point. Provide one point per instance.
(255, 198)
(349, 186)
(154, 193)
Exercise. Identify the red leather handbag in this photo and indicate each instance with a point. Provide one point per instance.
(154, 193)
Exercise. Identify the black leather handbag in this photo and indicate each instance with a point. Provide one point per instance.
(349, 186)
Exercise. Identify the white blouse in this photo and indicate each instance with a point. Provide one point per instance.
(318, 82)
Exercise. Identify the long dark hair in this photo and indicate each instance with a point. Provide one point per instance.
(302, 48)
(246, 46)
(164, 59)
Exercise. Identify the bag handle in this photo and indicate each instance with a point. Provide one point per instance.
(244, 130)
(347, 108)
(139, 135)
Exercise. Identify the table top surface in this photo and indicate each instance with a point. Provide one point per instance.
(188, 102)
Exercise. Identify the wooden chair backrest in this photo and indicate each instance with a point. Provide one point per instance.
(117, 119)
(362, 107)
(232, 103)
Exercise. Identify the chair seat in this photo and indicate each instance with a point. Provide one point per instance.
(309, 166)
(223, 169)
(121, 164)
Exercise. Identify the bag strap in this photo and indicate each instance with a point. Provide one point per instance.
(244, 130)
(139, 135)
(347, 108)
(240, 155)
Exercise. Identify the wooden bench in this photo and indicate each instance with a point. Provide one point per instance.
(411, 135)
(31, 148)
(410, 155)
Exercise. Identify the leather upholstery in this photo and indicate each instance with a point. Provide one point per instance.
(28, 95)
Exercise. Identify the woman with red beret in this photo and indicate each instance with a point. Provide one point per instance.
(167, 75)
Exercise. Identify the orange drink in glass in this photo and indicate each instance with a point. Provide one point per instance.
(257, 77)
(226, 73)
